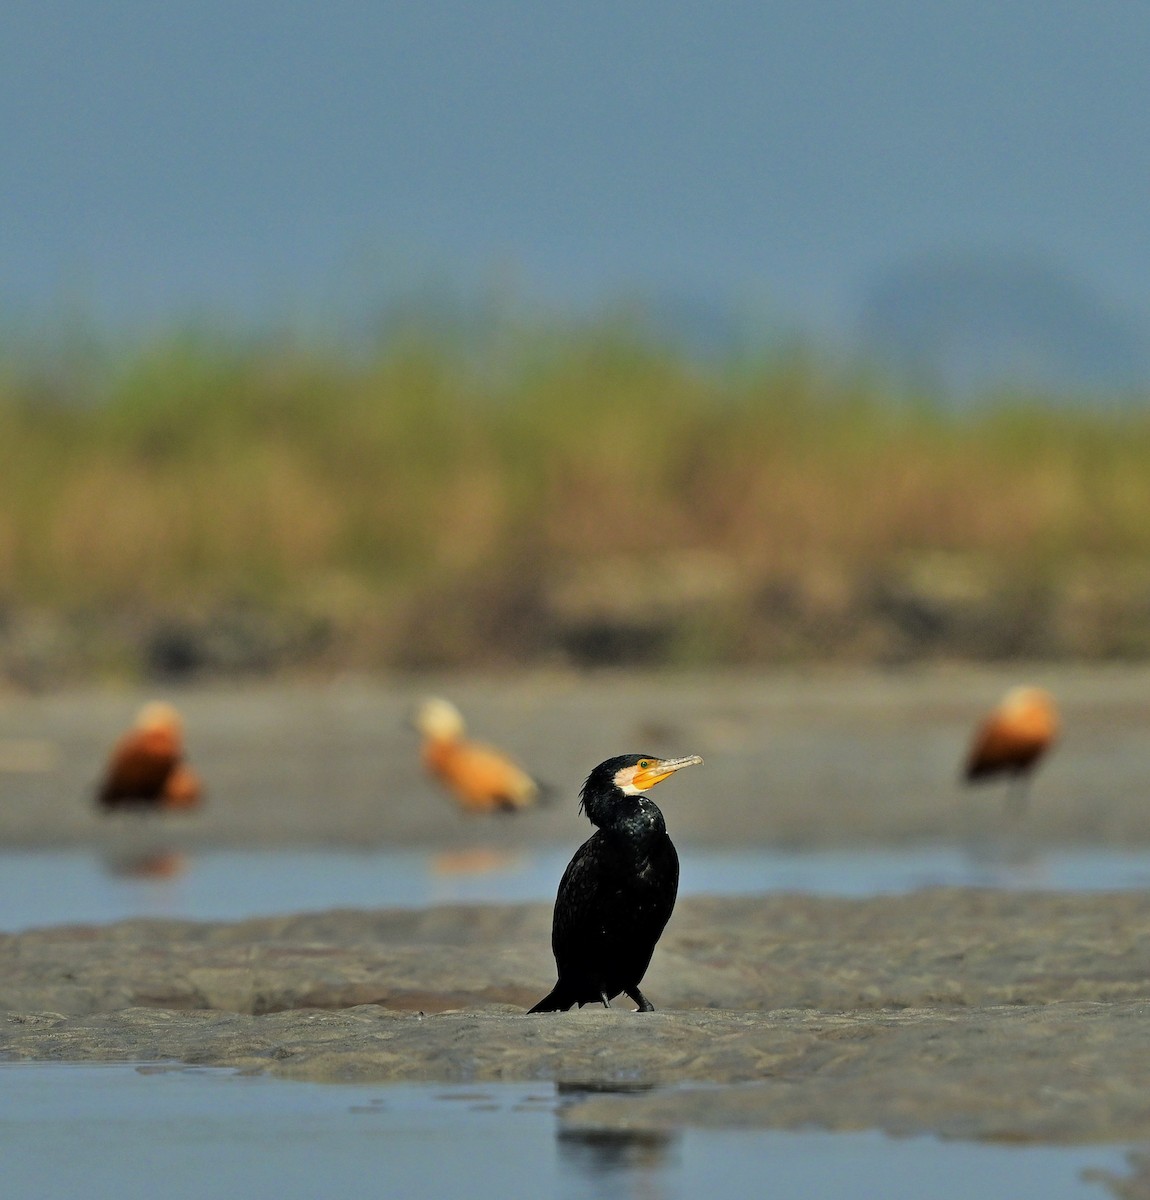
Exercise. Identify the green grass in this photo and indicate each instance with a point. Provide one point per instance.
(383, 492)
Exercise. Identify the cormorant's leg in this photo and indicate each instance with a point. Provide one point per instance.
(603, 997)
(644, 1004)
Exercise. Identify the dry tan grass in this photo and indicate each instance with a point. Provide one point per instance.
(359, 488)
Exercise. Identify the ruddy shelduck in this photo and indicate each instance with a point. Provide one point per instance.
(147, 769)
(480, 778)
(1013, 738)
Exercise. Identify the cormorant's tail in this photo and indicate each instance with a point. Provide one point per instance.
(556, 1000)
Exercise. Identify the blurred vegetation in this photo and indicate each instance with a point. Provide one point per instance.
(582, 495)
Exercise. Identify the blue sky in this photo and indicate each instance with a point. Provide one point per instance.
(274, 159)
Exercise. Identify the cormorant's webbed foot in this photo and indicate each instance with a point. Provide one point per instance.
(644, 1004)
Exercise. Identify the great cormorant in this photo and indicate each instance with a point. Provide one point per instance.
(618, 891)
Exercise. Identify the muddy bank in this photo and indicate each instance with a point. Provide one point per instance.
(1062, 1072)
(811, 759)
(966, 1013)
(955, 948)
(1065, 1072)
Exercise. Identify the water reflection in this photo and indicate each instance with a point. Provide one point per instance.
(157, 864)
(1008, 855)
(615, 1162)
(473, 860)
(1135, 1186)
(619, 1162)
(255, 1135)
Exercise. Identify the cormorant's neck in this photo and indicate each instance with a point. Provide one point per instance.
(630, 816)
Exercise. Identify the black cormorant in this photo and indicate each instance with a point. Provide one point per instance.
(618, 891)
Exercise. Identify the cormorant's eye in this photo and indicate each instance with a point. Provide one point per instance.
(643, 764)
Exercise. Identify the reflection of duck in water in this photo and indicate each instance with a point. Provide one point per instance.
(619, 890)
(476, 860)
(1011, 741)
(480, 778)
(148, 864)
(146, 770)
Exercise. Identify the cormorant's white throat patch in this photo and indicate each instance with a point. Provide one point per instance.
(625, 781)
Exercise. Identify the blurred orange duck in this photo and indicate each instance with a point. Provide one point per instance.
(1013, 738)
(481, 778)
(146, 769)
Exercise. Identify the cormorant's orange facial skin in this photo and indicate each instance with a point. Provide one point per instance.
(480, 778)
(146, 768)
(1015, 735)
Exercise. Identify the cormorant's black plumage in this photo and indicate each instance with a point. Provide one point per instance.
(616, 895)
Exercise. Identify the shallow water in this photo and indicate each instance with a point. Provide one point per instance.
(192, 1133)
(63, 887)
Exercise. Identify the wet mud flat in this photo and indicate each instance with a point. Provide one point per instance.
(960, 1012)
(811, 758)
